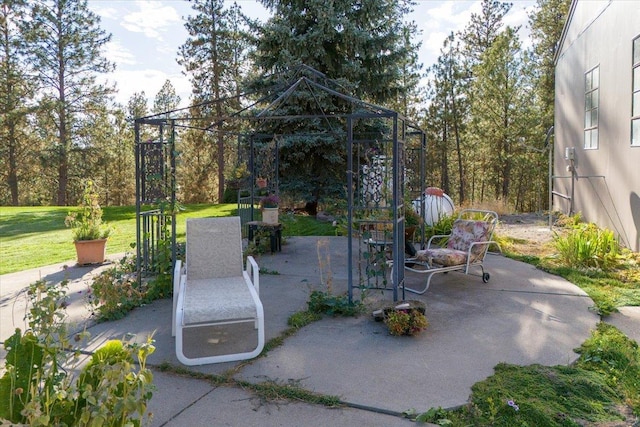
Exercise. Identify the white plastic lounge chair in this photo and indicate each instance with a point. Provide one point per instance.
(464, 248)
(213, 289)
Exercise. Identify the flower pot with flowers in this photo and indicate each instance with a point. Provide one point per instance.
(90, 233)
(269, 208)
(403, 318)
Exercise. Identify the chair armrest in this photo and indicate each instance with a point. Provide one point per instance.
(178, 271)
(253, 271)
(486, 242)
(471, 259)
(436, 236)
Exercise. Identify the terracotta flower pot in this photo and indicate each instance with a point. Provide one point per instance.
(91, 251)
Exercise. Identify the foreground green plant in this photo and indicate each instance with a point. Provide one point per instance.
(37, 388)
(606, 376)
(617, 358)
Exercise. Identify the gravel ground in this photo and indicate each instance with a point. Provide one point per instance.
(530, 231)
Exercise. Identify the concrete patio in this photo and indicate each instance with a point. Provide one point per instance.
(522, 316)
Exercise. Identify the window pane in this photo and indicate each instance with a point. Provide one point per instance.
(636, 79)
(636, 104)
(594, 117)
(588, 104)
(595, 98)
(587, 138)
(594, 138)
(596, 77)
(587, 82)
(587, 120)
(636, 51)
(635, 133)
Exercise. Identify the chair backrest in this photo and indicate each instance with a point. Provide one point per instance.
(214, 247)
(465, 231)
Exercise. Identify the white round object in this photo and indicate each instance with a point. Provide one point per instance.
(436, 207)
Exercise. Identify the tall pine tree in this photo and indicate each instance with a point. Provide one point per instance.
(215, 60)
(65, 48)
(547, 22)
(16, 94)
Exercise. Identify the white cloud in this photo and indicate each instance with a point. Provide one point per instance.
(152, 19)
(103, 12)
(452, 15)
(114, 51)
(437, 20)
(432, 44)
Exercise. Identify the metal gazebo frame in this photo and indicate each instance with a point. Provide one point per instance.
(377, 176)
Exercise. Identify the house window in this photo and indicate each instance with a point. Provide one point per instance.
(591, 102)
(635, 100)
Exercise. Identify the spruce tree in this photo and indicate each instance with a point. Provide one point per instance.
(361, 47)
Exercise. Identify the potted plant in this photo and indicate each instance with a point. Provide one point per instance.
(269, 208)
(404, 318)
(90, 233)
(412, 221)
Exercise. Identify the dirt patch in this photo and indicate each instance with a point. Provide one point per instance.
(527, 233)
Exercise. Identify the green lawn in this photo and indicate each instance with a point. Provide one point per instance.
(32, 237)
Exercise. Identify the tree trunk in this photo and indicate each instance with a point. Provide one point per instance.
(63, 149)
(458, 150)
(12, 178)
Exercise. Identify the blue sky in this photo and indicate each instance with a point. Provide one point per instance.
(146, 35)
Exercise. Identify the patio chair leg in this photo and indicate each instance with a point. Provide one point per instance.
(415, 291)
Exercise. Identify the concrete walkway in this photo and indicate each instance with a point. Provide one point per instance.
(522, 316)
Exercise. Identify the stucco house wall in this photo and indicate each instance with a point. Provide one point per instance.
(606, 179)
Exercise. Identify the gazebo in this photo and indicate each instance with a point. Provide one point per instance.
(382, 154)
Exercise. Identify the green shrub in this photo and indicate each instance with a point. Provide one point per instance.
(116, 291)
(587, 246)
(442, 227)
(333, 305)
(230, 195)
(405, 321)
